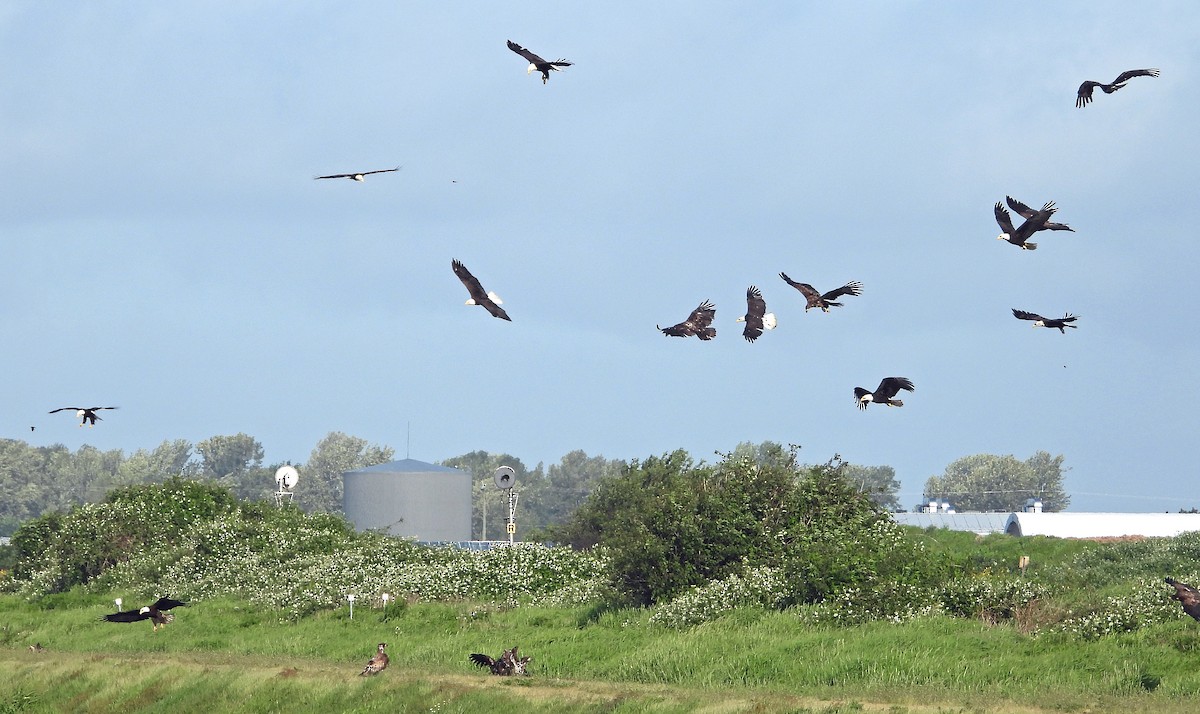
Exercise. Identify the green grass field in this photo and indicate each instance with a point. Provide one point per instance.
(222, 655)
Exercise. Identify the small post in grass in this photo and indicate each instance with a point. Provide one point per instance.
(1023, 563)
(118, 601)
(350, 598)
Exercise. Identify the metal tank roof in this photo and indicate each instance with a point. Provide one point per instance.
(1101, 525)
(404, 466)
(981, 523)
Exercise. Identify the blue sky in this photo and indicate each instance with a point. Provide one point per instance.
(167, 251)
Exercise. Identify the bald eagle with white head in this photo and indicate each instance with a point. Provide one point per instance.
(756, 318)
(1058, 323)
(537, 63)
(885, 393)
(156, 613)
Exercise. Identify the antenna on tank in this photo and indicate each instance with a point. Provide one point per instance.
(408, 441)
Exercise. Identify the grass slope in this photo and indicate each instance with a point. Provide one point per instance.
(223, 655)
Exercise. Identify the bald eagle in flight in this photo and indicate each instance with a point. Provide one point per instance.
(156, 613)
(357, 176)
(507, 665)
(537, 63)
(1187, 596)
(1027, 213)
(1034, 222)
(885, 393)
(697, 323)
(826, 300)
(378, 661)
(1084, 95)
(756, 318)
(87, 414)
(1039, 321)
(489, 301)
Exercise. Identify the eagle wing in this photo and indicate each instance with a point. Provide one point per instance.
(891, 386)
(1084, 95)
(851, 288)
(64, 409)
(756, 307)
(1130, 74)
(316, 178)
(380, 171)
(1025, 211)
(166, 603)
(533, 59)
(1023, 315)
(127, 616)
(809, 292)
(474, 287)
(1003, 219)
(482, 660)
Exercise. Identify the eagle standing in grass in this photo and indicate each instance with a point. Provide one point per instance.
(697, 323)
(378, 661)
(156, 613)
(756, 318)
(358, 176)
(826, 300)
(489, 301)
(1187, 596)
(1039, 321)
(537, 63)
(885, 393)
(1035, 221)
(87, 414)
(507, 665)
(1084, 95)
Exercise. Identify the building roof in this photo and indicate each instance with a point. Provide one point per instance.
(405, 466)
(981, 523)
(1101, 525)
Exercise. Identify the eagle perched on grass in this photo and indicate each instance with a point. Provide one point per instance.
(156, 613)
(507, 665)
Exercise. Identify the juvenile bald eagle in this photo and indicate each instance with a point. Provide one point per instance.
(1187, 596)
(1027, 213)
(87, 414)
(1039, 321)
(697, 323)
(506, 666)
(1084, 95)
(156, 613)
(378, 661)
(1020, 236)
(756, 318)
(885, 393)
(489, 301)
(537, 63)
(823, 301)
(357, 176)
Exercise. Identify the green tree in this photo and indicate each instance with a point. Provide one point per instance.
(877, 482)
(986, 482)
(170, 458)
(552, 499)
(320, 487)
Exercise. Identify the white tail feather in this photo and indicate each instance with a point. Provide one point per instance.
(769, 321)
(495, 298)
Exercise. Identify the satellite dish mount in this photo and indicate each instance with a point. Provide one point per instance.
(285, 480)
(506, 478)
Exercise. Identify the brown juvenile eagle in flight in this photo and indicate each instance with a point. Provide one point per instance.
(826, 300)
(537, 63)
(87, 414)
(1084, 95)
(885, 393)
(1039, 321)
(378, 661)
(489, 301)
(357, 176)
(698, 323)
(1187, 596)
(507, 665)
(156, 613)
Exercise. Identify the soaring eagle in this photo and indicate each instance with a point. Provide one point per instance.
(87, 414)
(1187, 596)
(756, 318)
(1084, 95)
(823, 301)
(378, 661)
(697, 323)
(1039, 321)
(885, 393)
(156, 613)
(1028, 213)
(506, 666)
(490, 301)
(537, 63)
(1034, 222)
(357, 176)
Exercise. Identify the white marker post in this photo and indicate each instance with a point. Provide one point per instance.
(351, 599)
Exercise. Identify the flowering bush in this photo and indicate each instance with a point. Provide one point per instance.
(1148, 602)
(762, 587)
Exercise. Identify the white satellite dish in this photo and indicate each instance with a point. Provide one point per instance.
(286, 477)
(505, 477)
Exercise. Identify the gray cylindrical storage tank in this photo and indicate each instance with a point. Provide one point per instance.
(410, 498)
